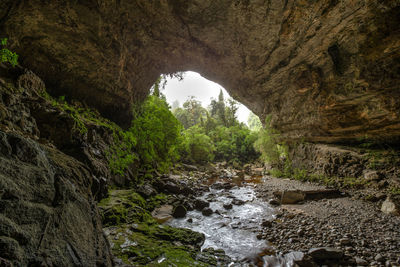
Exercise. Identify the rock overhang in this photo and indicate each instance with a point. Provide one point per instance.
(326, 71)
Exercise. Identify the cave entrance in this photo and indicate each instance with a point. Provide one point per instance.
(192, 85)
(215, 127)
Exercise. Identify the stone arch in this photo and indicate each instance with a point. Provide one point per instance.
(277, 57)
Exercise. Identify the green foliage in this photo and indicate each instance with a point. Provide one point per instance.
(216, 133)
(268, 144)
(191, 114)
(157, 132)
(7, 55)
(121, 154)
(197, 147)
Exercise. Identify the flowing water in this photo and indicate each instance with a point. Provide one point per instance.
(233, 230)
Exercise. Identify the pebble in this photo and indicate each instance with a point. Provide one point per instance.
(361, 262)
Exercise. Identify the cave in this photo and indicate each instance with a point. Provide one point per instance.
(326, 73)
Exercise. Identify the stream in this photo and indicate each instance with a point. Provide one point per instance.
(232, 228)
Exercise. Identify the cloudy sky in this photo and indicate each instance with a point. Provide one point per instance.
(194, 84)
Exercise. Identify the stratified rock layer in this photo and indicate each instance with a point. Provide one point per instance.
(327, 71)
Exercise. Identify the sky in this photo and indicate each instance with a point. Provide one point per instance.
(193, 84)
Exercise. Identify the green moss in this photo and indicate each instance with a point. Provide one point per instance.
(156, 201)
(145, 250)
(121, 152)
(140, 240)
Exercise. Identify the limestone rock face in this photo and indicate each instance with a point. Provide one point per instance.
(327, 71)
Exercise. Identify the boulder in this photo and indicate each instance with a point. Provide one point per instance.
(389, 207)
(298, 258)
(200, 204)
(172, 188)
(207, 212)
(325, 253)
(146, 191)
(163, 213)
(292, 197)
(179, 212)
(227, 206)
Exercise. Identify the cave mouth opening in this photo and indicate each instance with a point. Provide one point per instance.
(191, 85)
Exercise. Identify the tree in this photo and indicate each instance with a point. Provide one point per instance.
(254, 123)
(197, 147)
(230, 113)
(157, 132)
(192, 113)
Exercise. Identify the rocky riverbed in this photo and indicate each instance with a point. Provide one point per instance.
(358, 228)
(239, 219)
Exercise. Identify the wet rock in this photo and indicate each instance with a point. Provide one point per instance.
(214, 257)
(227, 206)
(325, 253)
(179, 211)
(207, 212)
(292, 197)
(200, 204)
(190, 220)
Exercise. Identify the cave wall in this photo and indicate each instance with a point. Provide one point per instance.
(327, 71)
(48, 199)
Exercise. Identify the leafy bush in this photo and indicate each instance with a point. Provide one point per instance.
(196, 146)
(157, 132)
(217, 129)
(6, 55)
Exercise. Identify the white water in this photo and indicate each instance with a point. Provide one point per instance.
(233, 230)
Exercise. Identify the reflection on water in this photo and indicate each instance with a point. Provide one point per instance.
(232, 230)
